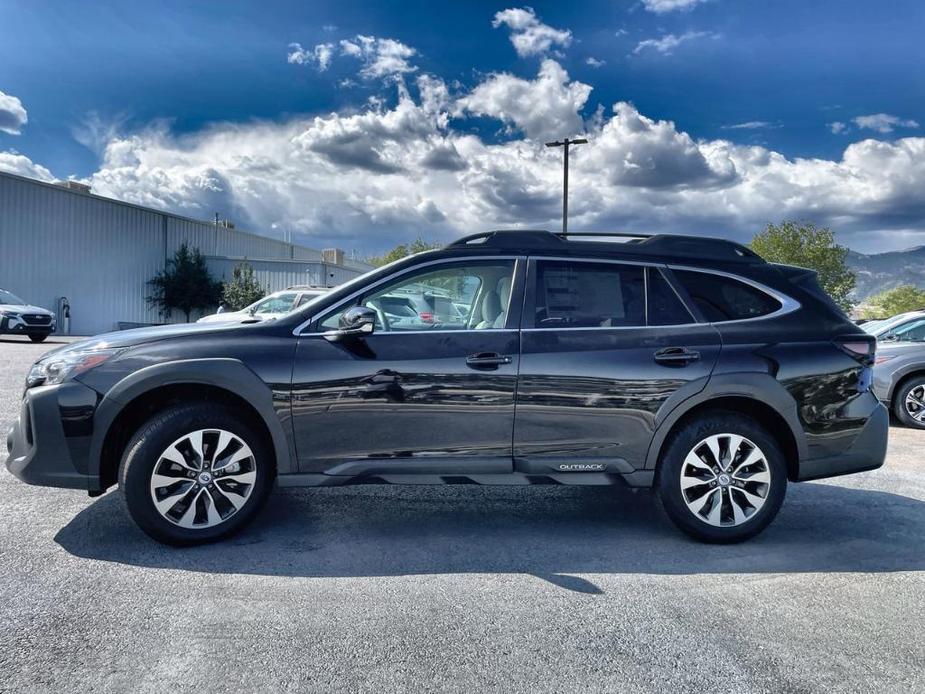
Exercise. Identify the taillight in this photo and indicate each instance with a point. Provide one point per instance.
(861, 348)
(426, 316)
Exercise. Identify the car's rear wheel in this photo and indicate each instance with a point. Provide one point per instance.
(722, 478)
(909, 403)
(195, 473)
(38, 338)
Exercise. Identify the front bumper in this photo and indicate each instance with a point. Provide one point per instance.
(867, 451)
(39, 451)
(18, 326)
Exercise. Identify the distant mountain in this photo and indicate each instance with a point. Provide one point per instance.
(880, 271)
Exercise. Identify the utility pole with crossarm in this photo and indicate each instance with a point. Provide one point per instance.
(565, 144)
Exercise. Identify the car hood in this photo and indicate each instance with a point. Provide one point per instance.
(227, 317)
(28, 308)
(137, 336)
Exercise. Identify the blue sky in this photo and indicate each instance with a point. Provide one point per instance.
(172, 104)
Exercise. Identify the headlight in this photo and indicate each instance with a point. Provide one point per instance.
(8, 313)
(57, 368)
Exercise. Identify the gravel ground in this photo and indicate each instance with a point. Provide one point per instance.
(466, 589)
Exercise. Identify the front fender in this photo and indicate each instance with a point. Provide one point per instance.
(229, 374)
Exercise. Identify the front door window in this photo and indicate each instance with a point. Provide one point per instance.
(472, 295)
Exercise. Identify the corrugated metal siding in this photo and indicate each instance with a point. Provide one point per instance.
(58, 243)
(101, 253)
(273, 275)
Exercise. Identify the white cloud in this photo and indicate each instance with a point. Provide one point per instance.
(547, 107)
(667, 43)
(752, 125)
(883, 122)
(16, 163)
(837, 128)
(13, 115)
(402, 167)
(528, 34)
(382, 58)
(320, 55)
(595, 63)
(663, 6)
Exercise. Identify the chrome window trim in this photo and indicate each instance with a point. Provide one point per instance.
(297, 331)
(429, 332)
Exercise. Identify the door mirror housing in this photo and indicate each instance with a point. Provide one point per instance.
(358, 321)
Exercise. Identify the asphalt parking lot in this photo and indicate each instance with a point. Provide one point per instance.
(466, 589)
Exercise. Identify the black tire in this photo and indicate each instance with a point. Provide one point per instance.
(38, 338)
(674, 499)
(153, 438)
(899, 403)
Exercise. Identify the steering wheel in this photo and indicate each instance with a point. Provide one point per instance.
(380, 314)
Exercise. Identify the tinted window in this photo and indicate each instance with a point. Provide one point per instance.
(723, 298)
(589, 295)
(664, 306)
(428, 299)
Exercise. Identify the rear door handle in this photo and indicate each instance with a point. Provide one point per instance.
(676, 356)
(487, 360)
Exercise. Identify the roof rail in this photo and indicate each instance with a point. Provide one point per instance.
(663, 245)
(515, 238)
(602, 234)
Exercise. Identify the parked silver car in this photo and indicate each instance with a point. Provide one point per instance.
(899, 371)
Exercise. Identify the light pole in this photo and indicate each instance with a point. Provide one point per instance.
(565, 144)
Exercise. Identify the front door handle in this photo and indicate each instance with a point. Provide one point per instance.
(487, 360)
(676, 356)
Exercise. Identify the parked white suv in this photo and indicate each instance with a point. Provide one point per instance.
(272, 306)
(19, 318)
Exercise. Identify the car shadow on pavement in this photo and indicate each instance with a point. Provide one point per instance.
(549, 532)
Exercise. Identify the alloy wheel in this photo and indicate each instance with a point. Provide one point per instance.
(915, 403)
(203, 478)
(725, 480)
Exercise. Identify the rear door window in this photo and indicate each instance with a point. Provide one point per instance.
(663, 305)
(589, 295)
(721, 298)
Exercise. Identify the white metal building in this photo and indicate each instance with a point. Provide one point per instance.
(57, 241)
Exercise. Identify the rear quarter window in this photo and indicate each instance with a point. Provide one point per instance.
(721, 298)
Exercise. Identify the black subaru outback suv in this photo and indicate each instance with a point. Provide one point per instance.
(686, 364)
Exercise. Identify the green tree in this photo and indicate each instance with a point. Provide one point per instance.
(803, 244)
(402, 250)
(243, 289)
(184, 285)
(888, 303)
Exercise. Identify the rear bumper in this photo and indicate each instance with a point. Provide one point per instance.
(867, 452)
(38, 449)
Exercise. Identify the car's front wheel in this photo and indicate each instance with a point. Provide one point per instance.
(195, 473)
(722, 478)
(909, 403)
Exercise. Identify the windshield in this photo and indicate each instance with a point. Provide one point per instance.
(10, 298)
(275, 303)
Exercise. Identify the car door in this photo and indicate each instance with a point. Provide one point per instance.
(604, 347)
(415, 397)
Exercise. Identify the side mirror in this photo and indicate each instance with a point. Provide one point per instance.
(358, 321)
